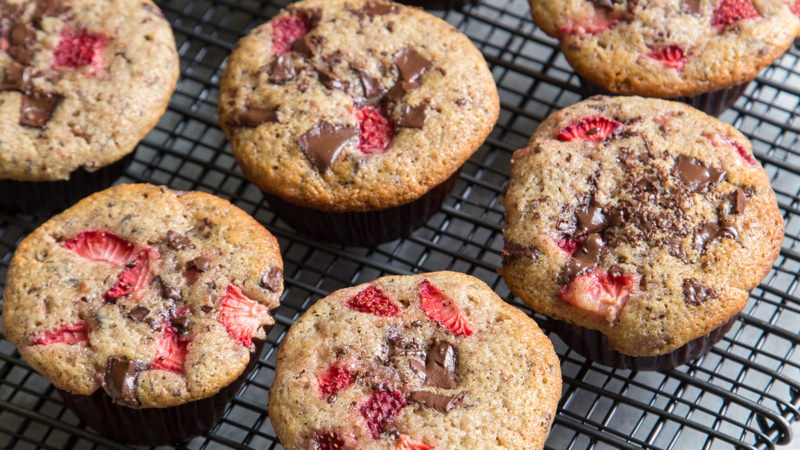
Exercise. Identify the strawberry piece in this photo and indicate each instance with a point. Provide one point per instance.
(381, 408)
(241, 316)
(77, 333)
(599, 292)
(569, 245)
(374, 301)
(101, 246)
(406, 443)
(79, 48)
(672, 56)
(592, 129)
(329, 440)
(135, 276)
(376, 130)
(730, 12)
(287, 30)
(443, 310)
(796, 8)
(720, 140)
(171, 351)
(334, 380)
(595, 25)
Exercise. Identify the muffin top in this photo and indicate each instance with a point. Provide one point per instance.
(668, 48)
(83, 81)
(354, 105)
(435, 360)
(152, 294)
(642, 218)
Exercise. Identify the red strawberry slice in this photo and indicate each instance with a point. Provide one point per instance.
(79, 48)
(101, 246)
(334, 380)
(730, 12)
(171, 351)
(376, 130)
(592, 129)
(672, 56)
(719, 140)
(406, 443)
(374, 301)
(329, 440)
(595, 25)
(443, 310)
(569, 245)
(136, 275)
(381, 408)
(77, 333)
(796, 8)
(287, 30)
(599, 292)
(241, 316)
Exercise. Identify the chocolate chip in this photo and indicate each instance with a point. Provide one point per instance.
(591, 220)
(411, 64)
(47, 8)
(18, 78)
(372, 86)
(617, 218)
(399, 90)
(513, 252)
(167, 291)
(36, 109)
(308, 45)
(138, 313)
(177, 241)
(441, 402)
(201, 264)
(252, 118)
(329, 79)
(694, 7)
(283, 69)
(696, 175)
(695, 293)
(272, 279)
(120, 380)
(323, 143)
(440, 365)
(675, 248)
(585, 258)
(310, 15)
(418, 367)
(373, 9)
(181, 323)
(739, 202)
(22, 37)
(206, 309)
(711, 231)
(302, 86)
(414, 116)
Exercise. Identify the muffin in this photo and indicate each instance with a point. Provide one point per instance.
(638, 226)
(83, 81)
(428, 361)
(698, 52)
(145, 307)
(354, 117)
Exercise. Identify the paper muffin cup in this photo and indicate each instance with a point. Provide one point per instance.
(439, 4)
(55, 196)
(712, 103)
(593, 345)
(363, 229)
(157, 426)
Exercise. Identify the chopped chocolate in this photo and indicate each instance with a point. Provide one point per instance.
(414, 116)
(283, 69)
(48, 8)
(373, 9)
(18, 78)
(36, 109)
(696, 175)
(310, 15)
(441, 402)
(585, 258)
(411, 64)
(207, 309)
(694, 7)
(418, 367)
(712, 231)
(253, 117)
(513, 252)
(120, 380)
(616, 218)
(22, 37)
(272, 279)
(138, 313)
(695, 293)
(329, 79)
(590, 221)
(302, 86)
(323, 143)
(675, 248)
(308, 45)
(399, 90)
(168, 291)
(181, 323)
(177, 241)
(333, 58)
(372, 86)
(440, 365)
(201, 264)
(739, 202)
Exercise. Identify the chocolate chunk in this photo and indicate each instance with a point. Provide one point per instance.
(310, 15)
(695, 293)
(181, 323)
(590, 221)
(153, 10)
(138, 313)
(418, 367)
(512, 252)
(440, 365)
(18, 78)
(48, 8)
(253, 117)
(329, 79)
(712, 231)
(696, 175)
(22, 37)
(333, 58)
(586, 257)
(441, 402)
(302, 86)
(36, 109)
(308, 45)
(414, 116)
(177, 241)
(206, 309)
(201, 264)
(411, 64)
(399, 90)
(694, 7)
(617, 218)
(272, 279)
(739, 202)
(283, 69)
(120, 380)
(168, 291)
(461, 102)
(372, 86)
(323, 143)
(675, 248)
(373, 9)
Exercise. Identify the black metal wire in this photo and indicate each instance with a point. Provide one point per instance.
(744, 394)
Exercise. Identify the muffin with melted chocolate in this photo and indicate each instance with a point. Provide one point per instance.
(146, 307)
(354, 117)
(640, 226)
(431, 361)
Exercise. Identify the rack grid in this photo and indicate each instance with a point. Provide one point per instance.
(744, 394)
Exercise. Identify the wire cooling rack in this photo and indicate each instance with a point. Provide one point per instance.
(744, 394)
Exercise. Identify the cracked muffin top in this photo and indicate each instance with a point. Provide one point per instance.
(668, 48)
(354, 105)
(642, 218)
(435, 360)
(83, 81)
(151, 294)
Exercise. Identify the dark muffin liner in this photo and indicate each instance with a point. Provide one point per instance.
(439, 4)
(593, 345)
(156, 426)
(54, 196)
(364, 229)
(712, 103)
